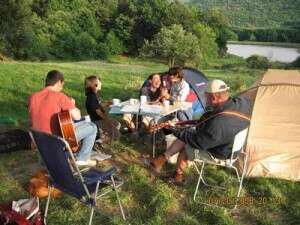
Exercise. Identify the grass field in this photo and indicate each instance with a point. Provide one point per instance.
(146, 201)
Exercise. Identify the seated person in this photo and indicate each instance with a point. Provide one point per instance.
(107, 127)
(152, 92)
(213, 136)
(179, 87)
(179, 91)
(165, 80)
(44, 105)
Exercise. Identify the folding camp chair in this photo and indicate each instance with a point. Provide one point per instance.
(238, 144)
(66, 176)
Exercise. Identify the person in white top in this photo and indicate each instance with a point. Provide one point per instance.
(179, 87)
(179, 91)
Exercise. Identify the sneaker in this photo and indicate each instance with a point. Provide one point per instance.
(99, 156)
(157, 164)
(89, 162)
(177, 180)
(99, 141)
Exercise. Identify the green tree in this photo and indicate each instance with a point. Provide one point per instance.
(74, 33)
(40, 7)
(257, 62)
(123, 28)
(179, 13)
(148, 17)
(219, 23)
(41, 42)
(105, 12)
(84, 20)
(62, 36)
(207, 41)
(173, 44)
(84, 46)
(16, 27)
(112, 45)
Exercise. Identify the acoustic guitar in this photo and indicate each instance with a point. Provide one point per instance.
(67, 129)
(202, 120)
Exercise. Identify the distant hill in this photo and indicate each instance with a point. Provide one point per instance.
(255, 13)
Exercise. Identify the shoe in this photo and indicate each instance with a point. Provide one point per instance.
(158, 163)
(177, 180)
(99, 141)
(89, 162)
(99, 156)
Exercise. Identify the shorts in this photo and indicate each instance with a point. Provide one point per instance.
(194, 153)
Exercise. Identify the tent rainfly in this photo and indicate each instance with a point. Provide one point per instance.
(273, 142)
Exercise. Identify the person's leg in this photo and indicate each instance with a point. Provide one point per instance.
(182, 162)
(110, 130)
(146, 121)
(189, 153)
(128, 118)
(99, 131)
(115, 129)
(160, 161)
(175, 147)
(85, 132)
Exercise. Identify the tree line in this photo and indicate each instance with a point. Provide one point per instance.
(254, 13)
(91, 29)
(290, 35)
(259, 20)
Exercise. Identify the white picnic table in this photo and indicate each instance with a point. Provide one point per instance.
(156, 111)
(152, 110)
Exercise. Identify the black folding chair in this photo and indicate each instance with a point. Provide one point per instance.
(66, 176)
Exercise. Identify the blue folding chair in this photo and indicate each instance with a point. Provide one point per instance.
(66, 176)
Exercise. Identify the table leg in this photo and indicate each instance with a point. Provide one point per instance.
(137, 122)
(153, 144)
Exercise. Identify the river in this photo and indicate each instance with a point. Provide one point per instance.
(273, 53)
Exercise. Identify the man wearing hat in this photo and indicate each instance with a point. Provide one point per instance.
(212, 137)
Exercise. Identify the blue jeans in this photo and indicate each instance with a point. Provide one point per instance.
(85, 132)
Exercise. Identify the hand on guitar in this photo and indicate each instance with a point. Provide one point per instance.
(171, 124)
(156, 127)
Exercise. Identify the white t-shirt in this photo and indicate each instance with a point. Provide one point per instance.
(180, 90)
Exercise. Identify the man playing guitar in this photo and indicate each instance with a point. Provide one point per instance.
(213, 136)
(44, 106)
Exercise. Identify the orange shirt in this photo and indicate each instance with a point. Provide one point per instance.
(43, 108)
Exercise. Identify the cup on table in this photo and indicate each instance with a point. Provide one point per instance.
(87, 118)
(132, 101)
(143, 99)
(166, 103)
(116, 101)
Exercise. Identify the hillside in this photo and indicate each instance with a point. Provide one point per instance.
(255, 13)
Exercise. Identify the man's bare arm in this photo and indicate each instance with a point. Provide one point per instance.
(75, 113)
(101, 114)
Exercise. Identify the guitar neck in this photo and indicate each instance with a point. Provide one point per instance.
(187, 122)
(177, 124)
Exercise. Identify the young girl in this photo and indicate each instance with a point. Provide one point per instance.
(96, 109)
(179, 91)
